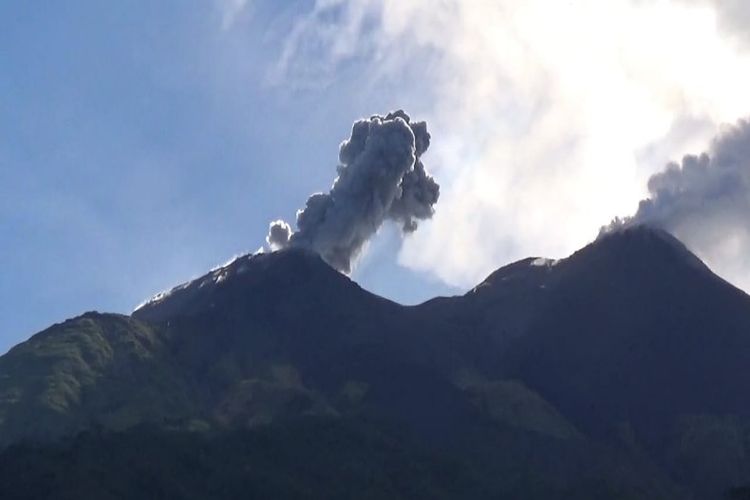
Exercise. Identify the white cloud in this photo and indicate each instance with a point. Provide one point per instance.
(230, 10)
(547, 117)
(733, 17)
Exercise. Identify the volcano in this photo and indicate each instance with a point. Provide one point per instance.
(621, 371)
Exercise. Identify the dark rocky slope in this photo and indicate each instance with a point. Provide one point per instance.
(619, 372)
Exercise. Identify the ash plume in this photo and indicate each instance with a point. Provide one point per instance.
(279, 233)
(380, 177)
(705, 201)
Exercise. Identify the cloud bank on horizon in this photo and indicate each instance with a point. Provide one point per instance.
(380, 177)
(552, 115)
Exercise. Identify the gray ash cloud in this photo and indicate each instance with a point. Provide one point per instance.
(705, 201)
(380, 177)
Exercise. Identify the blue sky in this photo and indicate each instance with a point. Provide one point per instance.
(142, 143)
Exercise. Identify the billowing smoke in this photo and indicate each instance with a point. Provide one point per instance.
(279, 233)
(380, 177)
(705, 201)
(732, 16)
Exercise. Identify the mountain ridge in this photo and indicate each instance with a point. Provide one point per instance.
(614, 355)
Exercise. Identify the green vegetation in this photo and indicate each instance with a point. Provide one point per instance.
(104, 370)
(710, 452)
(512, 403)
(303, 459)
(619, 373)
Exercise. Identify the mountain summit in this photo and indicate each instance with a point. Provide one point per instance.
(260, 276)
(619, 372)
(631, 328)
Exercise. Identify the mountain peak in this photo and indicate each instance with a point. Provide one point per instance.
(642, 244)
(250, 273)
(634, 245)
(640, 234)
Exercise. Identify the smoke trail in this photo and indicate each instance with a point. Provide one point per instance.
(705, 201)
(380, 177)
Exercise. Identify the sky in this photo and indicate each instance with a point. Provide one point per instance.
(143, 143)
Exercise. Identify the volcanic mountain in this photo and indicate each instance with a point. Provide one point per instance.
(622, 371)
